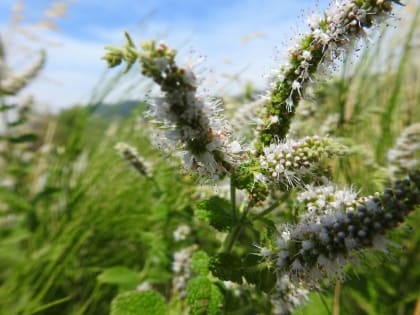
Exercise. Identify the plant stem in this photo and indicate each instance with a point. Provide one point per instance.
(231, 238)
(235, 231)
(337, 290)
(233, 198)
(265, 211)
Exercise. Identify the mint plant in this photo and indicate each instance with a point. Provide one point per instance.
(282, 228)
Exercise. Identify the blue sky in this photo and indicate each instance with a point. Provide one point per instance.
(215, 29)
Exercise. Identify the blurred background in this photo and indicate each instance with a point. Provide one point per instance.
(77, 226)
(236, 40)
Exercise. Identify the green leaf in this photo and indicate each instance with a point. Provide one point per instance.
(198, 295)
(227, 267)
(121, 276)
(27, 137)
(200, 263)
(5, 107)
(139, 303)
(216, 301)
(203, 297)
(258, 273)
(267, 280)
(14, 200)
(217, 212)
(17, 122)
(269, 225)
(363, 302)
(45, 193)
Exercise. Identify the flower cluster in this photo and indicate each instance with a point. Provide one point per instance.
(181, 269)
(246, 115)
(288, 296)
(12, 84)
(402, 157)
(192, 121)
(330, 35)
(311, 250)
(325, 200)
(334, 226)
(181, 232)
(133, 159)
(289, 162)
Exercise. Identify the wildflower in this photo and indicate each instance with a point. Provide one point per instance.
(290, 161)
(181, 269)
(133, 159)
(296, 85)
(317, 249)
(402, 157)
(234, 287)
(144, 286)
(12, 84)
(181, 232)
(288, 296)
(321, 200)
(192, 121)
(263, 251)
(306, 54)
(329, 36)
(314, 20)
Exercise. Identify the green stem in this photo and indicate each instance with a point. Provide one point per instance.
(266, 211)
(234, 233)
(156, 184)
(231, 238)
(233, 198)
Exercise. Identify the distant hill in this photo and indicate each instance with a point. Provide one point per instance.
(123, 109)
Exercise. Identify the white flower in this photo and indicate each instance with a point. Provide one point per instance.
(132, 157)
(182, 232)
(145, 286)
(314, 20)
(289, 103)
(181, 268)
(288, 296)
(402, 156)
(296, 85)
(274, 120)
(324, 38)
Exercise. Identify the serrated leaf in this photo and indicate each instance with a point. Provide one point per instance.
(198, 295)
(217, 212)
(267, 280)
(139, 303)
(258, 273)
(216, 301)
(200, 263)
(122, 276)
(227, 267)
(27, 137)
(251, 260)
(203, 297)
